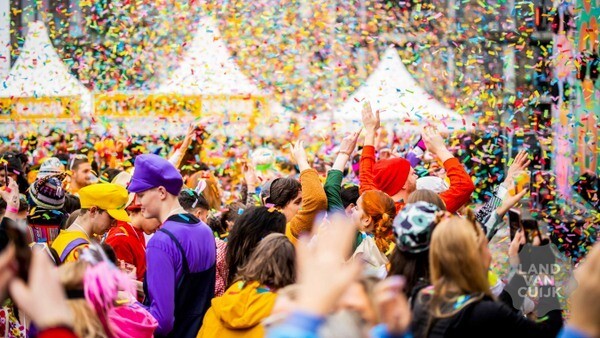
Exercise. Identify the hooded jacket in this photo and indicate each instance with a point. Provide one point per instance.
(239, 312)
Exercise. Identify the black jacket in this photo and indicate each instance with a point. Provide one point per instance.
(483, 318)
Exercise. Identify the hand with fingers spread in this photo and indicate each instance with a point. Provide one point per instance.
(520, 163)
(299, 154)
(391, 305)
(42, 298)
(323, 274)
(435, 143)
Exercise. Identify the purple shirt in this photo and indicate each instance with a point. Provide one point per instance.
(164, 266)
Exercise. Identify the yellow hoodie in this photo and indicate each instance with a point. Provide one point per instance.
(239, 312)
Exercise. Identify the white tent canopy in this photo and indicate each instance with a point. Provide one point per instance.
(40, 72)
(208, 68)
(395, 93)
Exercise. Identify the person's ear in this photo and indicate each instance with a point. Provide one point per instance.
(93, 211)
(162, 192)
(366, 220)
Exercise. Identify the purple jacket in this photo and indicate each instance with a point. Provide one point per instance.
(164, 266)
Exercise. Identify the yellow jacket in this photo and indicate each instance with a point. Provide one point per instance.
(66, 237)
(239, 312)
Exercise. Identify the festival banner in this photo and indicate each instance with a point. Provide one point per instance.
(36, 108)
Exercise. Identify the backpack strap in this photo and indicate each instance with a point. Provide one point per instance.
(72, 246)
(186, 268)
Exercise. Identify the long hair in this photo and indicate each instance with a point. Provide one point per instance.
(272, 263)
(413, 266)
(426, 195)
(380, 207)
(455, 264)
(249, 229)
(86, 321)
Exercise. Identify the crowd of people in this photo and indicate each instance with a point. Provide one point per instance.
(141, 238)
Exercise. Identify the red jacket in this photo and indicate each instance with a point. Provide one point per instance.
(459, 193)
(129, 245)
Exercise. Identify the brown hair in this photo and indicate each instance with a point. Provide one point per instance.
(86, 322)
(426, 195)
(380, 207)
(272, 263)
(456, 266)
(211, 193)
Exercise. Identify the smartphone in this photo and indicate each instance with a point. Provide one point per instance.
(514, 222)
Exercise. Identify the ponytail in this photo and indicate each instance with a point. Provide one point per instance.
(382, 209)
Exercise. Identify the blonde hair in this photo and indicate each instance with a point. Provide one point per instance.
(426, 195)
(86, 322)
(455, 264)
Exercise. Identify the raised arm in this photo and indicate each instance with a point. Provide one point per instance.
(461, 185)
(371, 123)
(314, 199)
(333, 184)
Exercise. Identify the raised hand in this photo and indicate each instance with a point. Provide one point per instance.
(323, 275)
(250, 176)
(435, 143)
(371, 121)
(520, 163)
(299, 155)
(349, 143)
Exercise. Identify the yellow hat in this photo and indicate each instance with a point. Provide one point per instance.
(106, 196)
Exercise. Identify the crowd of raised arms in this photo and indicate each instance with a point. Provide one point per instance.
(138, 238)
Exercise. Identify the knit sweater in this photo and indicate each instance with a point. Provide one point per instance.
(314, 201)
(459, 193)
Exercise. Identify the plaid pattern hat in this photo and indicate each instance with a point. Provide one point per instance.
(48, 193)
(413, 226)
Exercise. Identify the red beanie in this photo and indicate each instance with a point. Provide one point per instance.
(391, 175)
